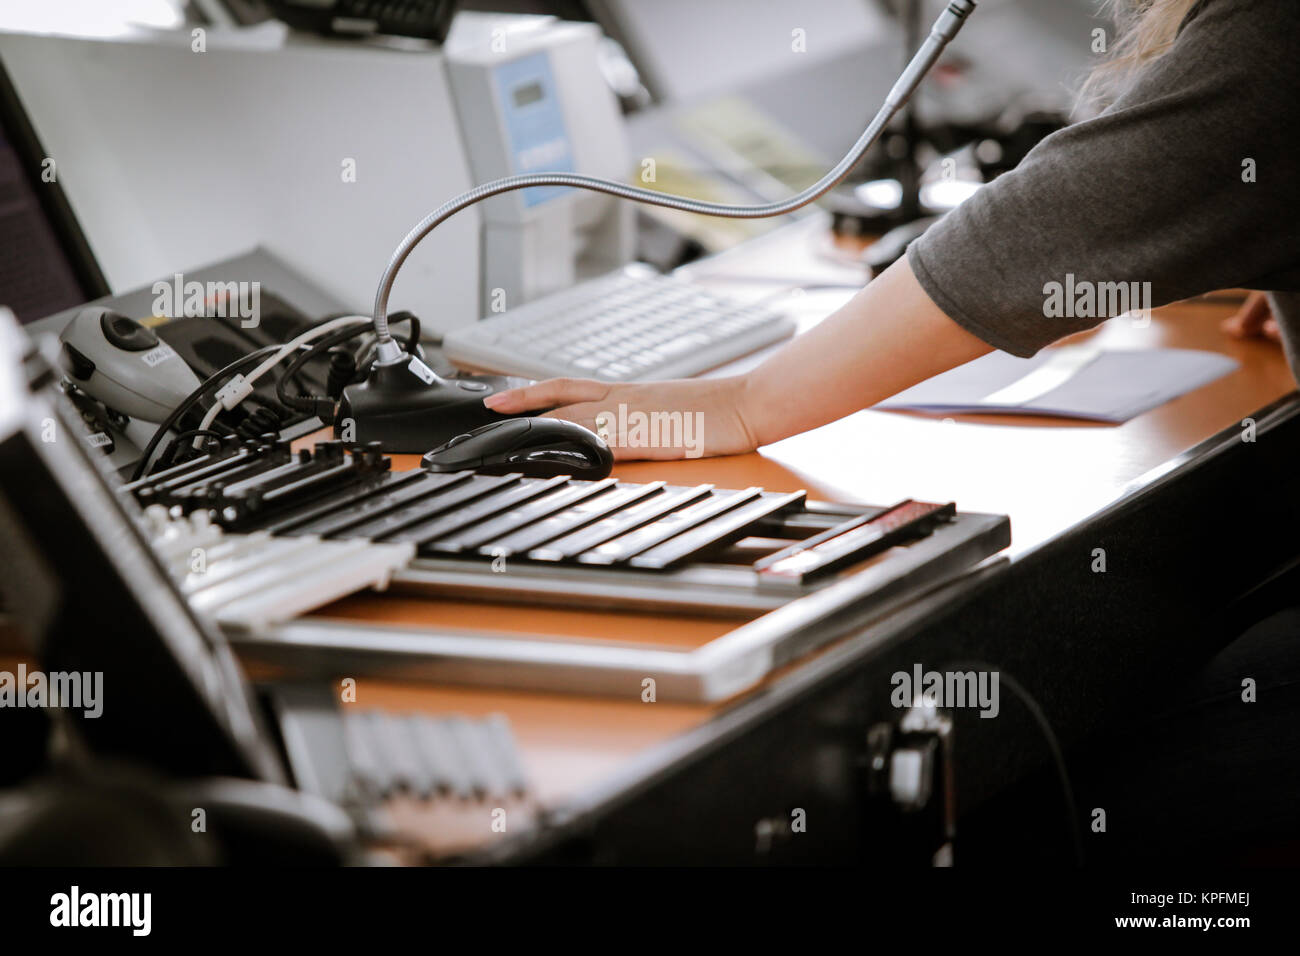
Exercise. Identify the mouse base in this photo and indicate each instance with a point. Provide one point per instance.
(407, 415)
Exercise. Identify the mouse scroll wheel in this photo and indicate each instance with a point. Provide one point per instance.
(457, 440)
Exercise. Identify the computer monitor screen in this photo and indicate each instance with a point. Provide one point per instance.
(45, 264)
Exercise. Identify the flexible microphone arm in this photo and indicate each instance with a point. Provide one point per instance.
(388, 352)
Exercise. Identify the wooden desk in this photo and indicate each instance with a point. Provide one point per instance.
(1048, 475)
(1052, 477)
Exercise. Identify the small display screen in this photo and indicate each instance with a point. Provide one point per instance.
(527, 94)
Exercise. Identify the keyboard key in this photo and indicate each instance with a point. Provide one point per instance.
(619, 327)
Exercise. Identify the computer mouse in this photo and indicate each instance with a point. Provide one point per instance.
(124, 365)
(536, 447)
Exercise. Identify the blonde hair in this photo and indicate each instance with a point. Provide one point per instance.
(1146, 31)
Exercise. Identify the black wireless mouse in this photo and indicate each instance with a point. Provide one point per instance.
(536, 447)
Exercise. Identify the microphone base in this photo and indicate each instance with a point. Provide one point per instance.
(408, 414)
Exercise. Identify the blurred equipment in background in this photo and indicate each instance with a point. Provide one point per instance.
(229, 13)
(105, 814)
(307, 103)
(530, 97)
(686, 50)
(504, 95)
(428, 19)
(887, 190)
(931, 162)
(749, 96)
(45, 262)
(910, 787)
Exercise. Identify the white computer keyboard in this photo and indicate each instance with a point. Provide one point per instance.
(620, 327)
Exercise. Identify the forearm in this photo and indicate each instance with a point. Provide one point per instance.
(887, 338)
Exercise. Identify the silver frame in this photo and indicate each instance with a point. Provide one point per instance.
(788, 627)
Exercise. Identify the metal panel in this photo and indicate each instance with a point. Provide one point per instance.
(718, 669)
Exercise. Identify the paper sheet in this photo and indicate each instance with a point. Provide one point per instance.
(1107, 385)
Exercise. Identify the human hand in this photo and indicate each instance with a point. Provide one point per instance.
(688, 418)
(1254, 320)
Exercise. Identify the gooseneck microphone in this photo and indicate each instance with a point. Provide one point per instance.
(946, 27)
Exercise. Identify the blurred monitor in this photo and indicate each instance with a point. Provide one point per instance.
(46, 265)
(685, 49)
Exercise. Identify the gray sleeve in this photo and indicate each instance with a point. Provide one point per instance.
(1155, 190)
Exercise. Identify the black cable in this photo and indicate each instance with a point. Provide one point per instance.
(1053, 744)
(193, 397)
(198, 393)
(231, 369)
(168, 454)
(343, 369)
(323, 406)
(259, 422)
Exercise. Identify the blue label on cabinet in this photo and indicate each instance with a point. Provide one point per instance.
(534, 122)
